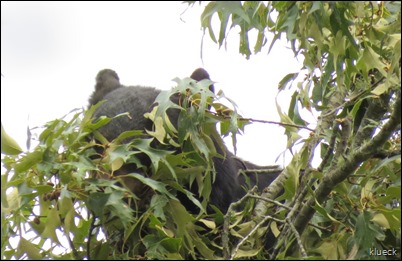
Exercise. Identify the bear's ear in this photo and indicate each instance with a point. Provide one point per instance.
(107, 81)
(201, 74)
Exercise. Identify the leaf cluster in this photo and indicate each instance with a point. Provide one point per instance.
(65, 199)
(350, 81)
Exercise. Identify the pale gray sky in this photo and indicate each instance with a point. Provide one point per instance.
(51, 52)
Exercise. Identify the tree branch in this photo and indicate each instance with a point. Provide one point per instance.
(351, 163)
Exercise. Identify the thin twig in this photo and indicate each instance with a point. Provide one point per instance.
(264, 121)
(268, 217)
(297, 235)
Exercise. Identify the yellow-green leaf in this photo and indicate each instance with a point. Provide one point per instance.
(9, 145)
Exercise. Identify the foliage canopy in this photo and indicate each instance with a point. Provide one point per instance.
(346, 207)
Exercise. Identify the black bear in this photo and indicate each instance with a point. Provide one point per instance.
(228, 186)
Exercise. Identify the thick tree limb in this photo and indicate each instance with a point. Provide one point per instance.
(350, 164)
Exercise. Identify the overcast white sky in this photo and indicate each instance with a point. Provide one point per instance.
(51, 52)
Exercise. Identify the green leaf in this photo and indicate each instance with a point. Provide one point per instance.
(10, 201)
(380, 89)
(119, 208)
(160, 132)
(247, 253)
(381, 220)
(32, 250)
(28, 161)
(206, 18)
(329, 250)
(9, 145)
(67, 213)
(320, 209)
(101, 251)
(155, 185)
(366, 232)
(97, 201)
(370, 60)
(187, 229)
(290, 77)
(156, 155)
(52, 223)
(233, 7)
(294, 110)
(337, 47)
